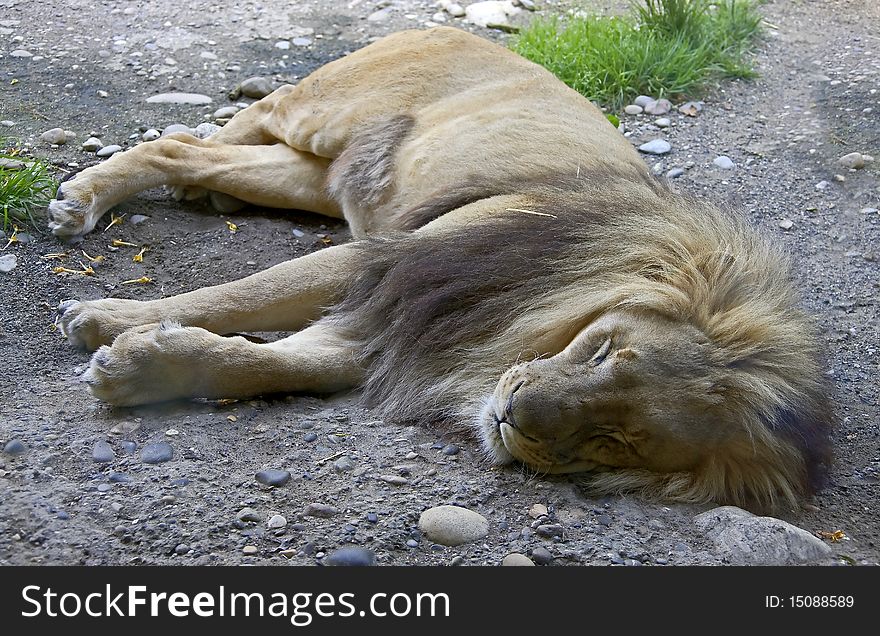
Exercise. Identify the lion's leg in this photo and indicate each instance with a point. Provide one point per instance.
(155, 363)
(271, 175)
(285, 297)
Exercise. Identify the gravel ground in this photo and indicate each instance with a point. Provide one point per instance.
(76, 482)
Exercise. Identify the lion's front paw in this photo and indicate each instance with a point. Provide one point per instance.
(151, 363)
(92, 323)
(71, 213)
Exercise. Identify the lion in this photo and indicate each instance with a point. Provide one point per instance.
(515, 271)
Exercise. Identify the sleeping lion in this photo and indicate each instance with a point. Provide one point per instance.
(515, 271)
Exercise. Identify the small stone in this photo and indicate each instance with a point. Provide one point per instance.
(724, 162)
(102, 94)
(62, 515)
(412, 543)
(137, 219)
(172, 432)
(663, 122)
(675, 173)
(323, 511)
(301, 41)
(691, 109)
(11, 164)
(226, 112)
(151, 135)
(118, 478)
(853, 161)
(549, 530)
(205, 130)
(277, 521)
(8, 262)
(104, 487)
(658, 107)
(343, 464)
(156, 453)
(273, 477)
(8, 123)
(177, 128)
(128, 447)
(786, 224)
(823, 185)
(56, 136)
(394, 480)
(633, 109)
(168, 499)
(102, 452)
(24, 238)
(182, 549)
(193, 99)
(538, 510)
(283, 45)
(656, 147)
(450, 449)
(311, 436)
(604, 520)
(352, 557)
(92, 144)
(372, 517)
(108, 151)
(870, 210)
(21, 53)
(643, 100)
(247, 514)
(452, 525)
(542, 556)
(14, 447)
(256, 87)
(250, 549)
(517, 559)
(455, 10)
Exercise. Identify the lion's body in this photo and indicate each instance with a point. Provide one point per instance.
(516, 272)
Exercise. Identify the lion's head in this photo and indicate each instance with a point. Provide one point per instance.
(661, 351)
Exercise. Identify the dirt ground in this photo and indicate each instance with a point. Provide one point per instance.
(816, 100)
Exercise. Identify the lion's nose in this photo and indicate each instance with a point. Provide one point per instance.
(508, 407)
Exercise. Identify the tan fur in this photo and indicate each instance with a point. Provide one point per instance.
(516, 271)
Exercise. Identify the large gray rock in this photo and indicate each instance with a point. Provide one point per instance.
(452, 525)
(746, 539)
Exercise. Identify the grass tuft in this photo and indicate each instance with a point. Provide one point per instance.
(24, 191)
(663, 48)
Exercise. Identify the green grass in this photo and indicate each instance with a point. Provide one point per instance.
(24, 192)
(662, 48)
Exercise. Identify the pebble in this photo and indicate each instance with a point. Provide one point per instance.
(517, 559)
(177, 128)
(656, 147)
(372, 517)
(633, 109)
(92, 144)
(226, 112)
(786, 224)
(182, 549)
(301, 41)
(8, 262)
(108, 151)
(351, 556)
(11, 164)
(310, 437)
(343, 464)
(118, 478)
(21, 53)
(549, 530)
(129, 447)
(8, 123)
(604, 520)
(193, 99)
(137, 219)
(156, 453)
(658, 107)
(14, 447)
(56, 136)
(538, 510)
(853, 161)
(104, 487)
(724, 162)
(151, 135)
(205, 130)
(870, 210)
(250, 549)
(663, 122)
(412, 543)
(394, 480)
(284, 45)
(675, 173)
(454, 9)
(452, 525)
(691, 109)
(322, 511)
(256, 87)
(450, 449)
(273, 477)
(542, 556)
(277, 521)
(247, 514)
(102, 452)
(643, 100)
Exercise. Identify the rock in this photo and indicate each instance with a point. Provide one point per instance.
(517, 559)
(226, 112)
(542, 556)
(823, 185)
(108, 151)
(11, 164)
(412, 543)
(691, 109)
(724, 162)
(643, 100)
(181, 549)
(351, 557)
(452, 525)
(786, 224)
(176, 128)
(92, 144)
(495, 12)
(538, 510)
(663, 122)
(151, 135)
(372, 517)
(283, 45)
(394, 480)
(633, 109)
(277, 521)
(193, 99)
(137, 219)
(118, 478)
(322, 511)
(604, 520)
(656, 147)
(247, 514)
(14, 447)
(658, 107)
(379, 16)
(102, 452)
(450, 449)
(853, 161)
(55, 136)
(8, 262)
(870, 210)
(749, 540)
(250, 550)
(129, 447)
(549, 530)
(256, 87)
(311, 436)
(205, 130)
(343, 464)
(156, 453)
(21, 53)
(8, 123)
(301, 41)
(675, 173)
(273, 477)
